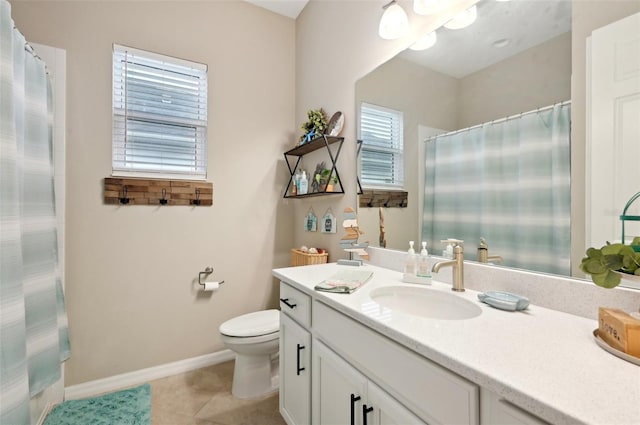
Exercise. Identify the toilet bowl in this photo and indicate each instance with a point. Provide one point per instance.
(254, 338)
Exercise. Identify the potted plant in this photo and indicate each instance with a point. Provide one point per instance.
(328, 180)
(613, 262)
(315, 126)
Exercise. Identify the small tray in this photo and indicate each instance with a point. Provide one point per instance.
(504, 300)
(603, 344)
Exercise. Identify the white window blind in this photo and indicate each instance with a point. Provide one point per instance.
(382, 146)
(159, 115)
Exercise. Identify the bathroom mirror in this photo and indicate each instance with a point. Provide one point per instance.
(515, 58)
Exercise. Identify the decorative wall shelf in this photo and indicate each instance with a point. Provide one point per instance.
(383, 198)
(133, 191)
(322, 142)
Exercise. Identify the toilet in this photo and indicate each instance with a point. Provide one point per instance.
(254, 338)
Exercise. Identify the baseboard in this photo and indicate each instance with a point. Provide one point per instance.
(45, 412)
(112, 383)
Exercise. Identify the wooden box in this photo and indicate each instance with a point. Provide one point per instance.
(299, 258)
(619, 330)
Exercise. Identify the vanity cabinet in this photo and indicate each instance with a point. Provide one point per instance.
(324, 142)
(343, 395)
(428, 391)
(295, 356)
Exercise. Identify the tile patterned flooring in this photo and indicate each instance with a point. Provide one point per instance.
(203, 397)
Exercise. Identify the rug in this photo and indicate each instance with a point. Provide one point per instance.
(126, 407)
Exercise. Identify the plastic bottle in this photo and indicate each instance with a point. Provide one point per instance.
(424, 266)
(304, 184)
(410, 264)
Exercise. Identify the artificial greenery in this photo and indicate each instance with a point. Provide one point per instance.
(315, 126)
(605, 264)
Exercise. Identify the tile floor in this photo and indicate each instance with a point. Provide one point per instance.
(203, 397)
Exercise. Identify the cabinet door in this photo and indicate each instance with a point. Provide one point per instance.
(386, 410)
(339, 390)
(295, 372)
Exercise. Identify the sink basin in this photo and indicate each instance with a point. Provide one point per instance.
(425, 302)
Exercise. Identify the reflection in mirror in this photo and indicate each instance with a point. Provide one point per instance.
(515, 58)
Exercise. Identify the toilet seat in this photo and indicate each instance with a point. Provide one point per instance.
(250, 325)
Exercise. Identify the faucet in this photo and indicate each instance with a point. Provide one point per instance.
(458, 268)
(483, 253)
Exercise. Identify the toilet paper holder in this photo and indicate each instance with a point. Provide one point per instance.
(206, 273)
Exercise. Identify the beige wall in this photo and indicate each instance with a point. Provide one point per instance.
(131, 300)
(538, 77)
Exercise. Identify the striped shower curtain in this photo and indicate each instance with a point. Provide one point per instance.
(507, 181)
(33, 333)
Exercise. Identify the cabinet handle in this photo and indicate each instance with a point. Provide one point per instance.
(286, 302)
(365, 410)
(298, 368)
(354, 398)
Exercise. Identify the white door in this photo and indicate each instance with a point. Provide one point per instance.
(295, 372)
(339, 390)
(613, 146)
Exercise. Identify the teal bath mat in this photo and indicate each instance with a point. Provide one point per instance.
(126, 407)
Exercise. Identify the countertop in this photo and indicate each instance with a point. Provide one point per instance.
(544, 361)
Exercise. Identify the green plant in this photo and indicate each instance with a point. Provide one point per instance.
(316, 124)
(605, 264)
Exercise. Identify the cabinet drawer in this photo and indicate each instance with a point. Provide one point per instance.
(495, 410)
(295, 304)
(433, 393)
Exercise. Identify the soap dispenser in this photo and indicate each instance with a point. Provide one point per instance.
(424, 268)
(304, 184)
(410, 264)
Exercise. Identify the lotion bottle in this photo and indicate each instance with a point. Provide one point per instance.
(304, 184)
(410, 264)
(424, 268)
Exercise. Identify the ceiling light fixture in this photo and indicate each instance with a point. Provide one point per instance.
(462, 20)
(394, 22)
(424, 42)
(429, 7)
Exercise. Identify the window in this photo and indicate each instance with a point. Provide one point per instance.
(159, 115)
(382, 152)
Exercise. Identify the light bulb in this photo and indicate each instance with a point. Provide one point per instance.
(424, 42)
(394, 22)
(462, 20)
(429, 7)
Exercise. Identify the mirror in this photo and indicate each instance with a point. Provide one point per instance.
(515, 58)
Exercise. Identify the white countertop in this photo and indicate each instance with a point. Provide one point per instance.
(542, 360)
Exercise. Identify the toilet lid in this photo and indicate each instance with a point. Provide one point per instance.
(252, 324)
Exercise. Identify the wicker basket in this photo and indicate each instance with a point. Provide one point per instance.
(299, 258)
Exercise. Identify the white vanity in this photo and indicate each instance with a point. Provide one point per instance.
(346, 359)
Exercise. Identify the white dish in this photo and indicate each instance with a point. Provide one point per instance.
(504, 300)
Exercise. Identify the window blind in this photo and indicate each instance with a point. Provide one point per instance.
(159, 115)
(381, 155)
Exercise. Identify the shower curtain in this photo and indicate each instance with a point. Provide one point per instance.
(33, 332)
(507, 181)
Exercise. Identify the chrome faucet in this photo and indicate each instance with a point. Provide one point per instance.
(483, 253)
(458, 268)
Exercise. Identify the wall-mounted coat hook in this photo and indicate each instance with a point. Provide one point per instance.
(163, 200)
(124, 199)
(197, 200)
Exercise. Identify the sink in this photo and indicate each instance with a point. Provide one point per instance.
(424, 302)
